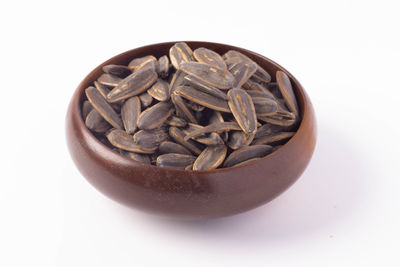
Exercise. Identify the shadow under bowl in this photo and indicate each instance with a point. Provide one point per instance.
(189, 194)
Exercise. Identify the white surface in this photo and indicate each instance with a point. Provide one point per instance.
(344, 211)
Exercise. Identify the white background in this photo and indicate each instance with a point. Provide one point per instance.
(344, 211)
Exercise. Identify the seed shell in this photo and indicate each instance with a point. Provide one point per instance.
(205, 87)
(171, 147)
(243, 110)
(163, 66)
(202, 98)
(95, 122)
(179, 53)
(287, 91)
(181, 108)
(210, 158)
(215, 127)
(209, 57)
(122, 140)
(130, 111)
(179, 136)
(150, 138)
(154, 116)
(134, 84)
(109, 80)
(145, 99)
(100, 104)
(221, 79)
(159, 90)
(86, 108)
(103, 89)
(276, 137)
(137, 63)
(246, 153)
(117, 70)
(176, 161)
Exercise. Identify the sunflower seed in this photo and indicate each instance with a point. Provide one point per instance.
(95, 122)
(242, 72)
(154, 116)
(181, 109)
(246, 153)
(179, 136)
(150, 138)
(117, 70)
(205, 87)
(180, 52)
(171, 147)
(130, 111)
(137, 156)
(163, 67)
(176, 161)
(254, 88)
(210, 158)
(159, 90)
(103, 89)
(86, 108)
(254, 94)
(109, 80)
(137, 63)
(176, 121)
(208, 139)
(221, 79)
(202, 98)
(243, 110)
(264, 106)
(268, 129)
(273, 138)
(209, 57)
(177, 80)
(287, 91)
(279, 120)
(100, 104)
(215, 127)
(122, 140)
(134, 84)
(260, 74)
(274, 89)
(238, 139)
(145, 99)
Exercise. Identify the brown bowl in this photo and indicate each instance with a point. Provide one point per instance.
(189, 194)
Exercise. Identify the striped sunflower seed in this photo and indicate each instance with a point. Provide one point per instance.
(209, 57)
(179, 53)
(279, 120)
(176, 121)
(120, 139)
(246, 161)
(86, 108)
(221, 79)
(176, 161)
(216, 117)
(95, 122)
(286, 90)
(138, 63)
(181, 109)
(210, 158)
(134, 84)
(103, 89)
(237, 139)
(143, 158)
(202, 98)
(246, 153)
(205, 87)
(171, 147)
(264, 106)
(163, 67)
(117, 70)
(145, 99)
(150, 138)
(215, 127)
(109, 80)
(154, 116)
(159, 90)
(242, 72)
(243, 110)
(179, 137)
(273, 138)
(130, 112)
(178, 79)
(100, 104)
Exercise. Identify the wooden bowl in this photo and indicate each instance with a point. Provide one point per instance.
(189, 194)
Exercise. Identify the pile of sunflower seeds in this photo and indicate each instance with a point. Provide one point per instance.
(193, 110)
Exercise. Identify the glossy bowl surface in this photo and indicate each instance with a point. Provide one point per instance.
(189, 194)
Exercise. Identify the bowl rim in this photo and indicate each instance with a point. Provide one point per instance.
(79, 95)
